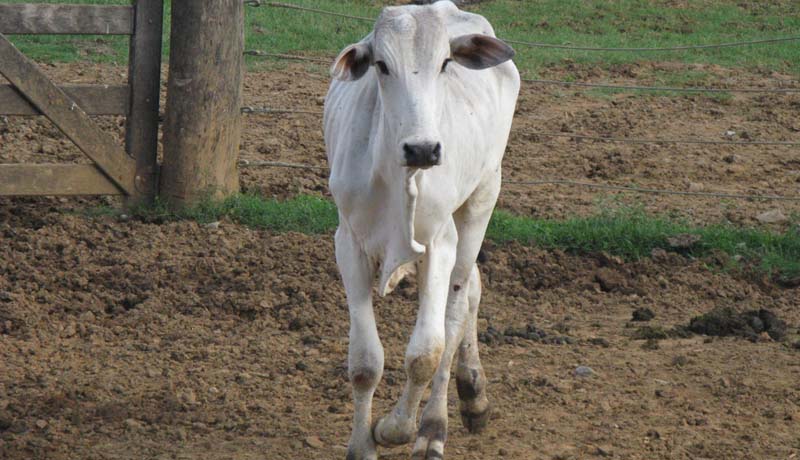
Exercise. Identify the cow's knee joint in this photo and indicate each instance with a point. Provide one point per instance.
(364, 378)
(422, 367)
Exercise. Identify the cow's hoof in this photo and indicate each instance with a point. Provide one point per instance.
(388, 433)
(352, 454)
(430, 440)
(364, 452)
(475, 422)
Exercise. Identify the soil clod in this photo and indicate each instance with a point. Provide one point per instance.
(611, 280)
(643, 314)
(493, 336)
(725, 321)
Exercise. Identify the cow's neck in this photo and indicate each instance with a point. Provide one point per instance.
(396, 191)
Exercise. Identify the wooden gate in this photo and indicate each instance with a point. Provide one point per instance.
(129, 171)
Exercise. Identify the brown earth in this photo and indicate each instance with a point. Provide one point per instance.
(121, 339)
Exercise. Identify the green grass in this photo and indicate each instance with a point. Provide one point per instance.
(627, 23)
(303, 214)
(623, 23)
(638, 23)
(632, 234)
(622, 231)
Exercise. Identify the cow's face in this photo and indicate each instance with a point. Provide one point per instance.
(411, 52)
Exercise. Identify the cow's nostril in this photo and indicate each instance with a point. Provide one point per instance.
(436, 155)
(422, 155)
(408, 151)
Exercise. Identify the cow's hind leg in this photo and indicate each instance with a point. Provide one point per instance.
(470, 378)
(365, 356)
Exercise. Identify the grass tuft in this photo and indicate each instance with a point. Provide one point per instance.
(305, 214)
(632, 234)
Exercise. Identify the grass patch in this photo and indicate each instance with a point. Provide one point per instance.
(637, 23)
(632, 234)
(305, 214)
(622, 231)
(623, 23)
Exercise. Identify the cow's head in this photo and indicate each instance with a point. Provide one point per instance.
(412, 55)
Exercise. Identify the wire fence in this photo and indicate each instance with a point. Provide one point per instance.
(571, 136)
(290, 57)
(629, 140)
(270, 110)
(661, 88)
(563, 182)
(654, 49)
(608, 86)
(551, 45)
(305, 8)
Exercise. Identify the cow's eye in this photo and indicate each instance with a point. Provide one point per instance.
(382, 67)
(444, 64)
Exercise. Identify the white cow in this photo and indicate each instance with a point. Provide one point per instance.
(416, 124)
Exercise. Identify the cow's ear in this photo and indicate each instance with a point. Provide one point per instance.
(352, 63)
(478, 52)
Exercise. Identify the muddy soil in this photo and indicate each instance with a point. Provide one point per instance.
(129, 340)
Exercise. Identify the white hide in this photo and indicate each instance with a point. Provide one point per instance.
(411, 84)
(395, 212)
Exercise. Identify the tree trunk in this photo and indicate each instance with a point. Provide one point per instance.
(203, 126)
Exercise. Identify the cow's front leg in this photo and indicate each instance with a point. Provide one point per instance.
(365, 356)
(425, 348)
(433, 424)
(465, 284)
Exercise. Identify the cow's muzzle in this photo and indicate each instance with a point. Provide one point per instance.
(422, 155)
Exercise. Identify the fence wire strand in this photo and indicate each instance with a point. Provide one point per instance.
(270, 110)
(314, 10)
(664, 48)
(260, 53)
(571, 83)
(662, 88)
(576, 137)
(629, 140)
(653, 191)
(279, 164)
(619, 188)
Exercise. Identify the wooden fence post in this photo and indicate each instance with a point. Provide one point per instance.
(203, 125)
(144, 71)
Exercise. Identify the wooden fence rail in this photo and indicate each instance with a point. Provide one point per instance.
(130, 170)
(93, 99)
(33, 18)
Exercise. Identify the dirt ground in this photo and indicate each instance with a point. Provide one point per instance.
(122, 339)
